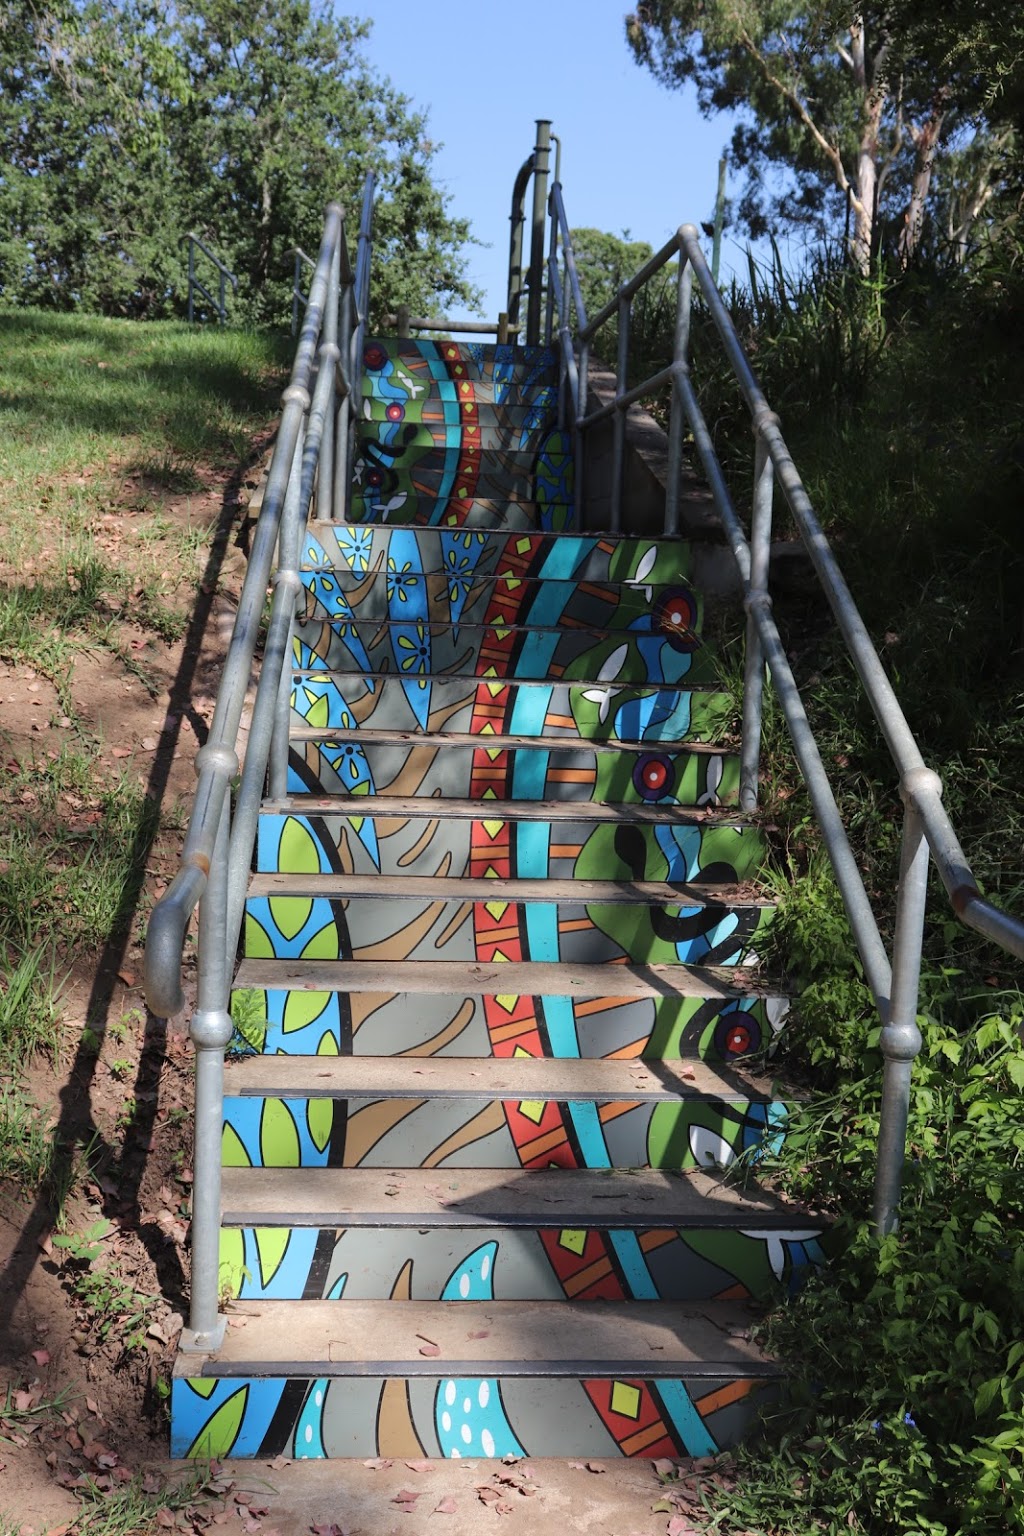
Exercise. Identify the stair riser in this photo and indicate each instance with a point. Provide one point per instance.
(398, 441)
(589, 712)
(563, 930)
(407, 366)
(429, 845)
(353, 552)
(444, 1133)
(687, 1265)
(420, 495)
(394, 1024)
(445, 395)
(424, 1416)
(570, 775)
(446, 412)
(408, 597)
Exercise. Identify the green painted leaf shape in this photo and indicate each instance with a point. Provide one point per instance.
(220, 1431)
(258, 943)
(317, 714)
(297, 851)
(233, 1153)
(232, 1260)
(271, 1245)
(323, 945)
(301, 1008)
(320, 1119)
(328, 1045)
(203, 1386)
(279, 1136)
(290, 913)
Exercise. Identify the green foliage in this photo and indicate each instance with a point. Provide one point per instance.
(124, 124)
(908, 1399)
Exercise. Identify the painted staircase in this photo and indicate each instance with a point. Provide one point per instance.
(499, 1018)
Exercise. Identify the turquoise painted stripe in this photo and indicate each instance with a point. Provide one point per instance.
(686, 1421)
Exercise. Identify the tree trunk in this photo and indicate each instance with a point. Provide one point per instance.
(926, 143)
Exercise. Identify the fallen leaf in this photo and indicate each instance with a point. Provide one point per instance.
(327, 1530)
(41, 1356)
(447, 1506)
(679, 1526)
(664, 1467)
(420, 1466)
(378, 1463)
(595, 1466)
(480, 1333)
(430, 1349)
(406, 1496)
(278, 1462)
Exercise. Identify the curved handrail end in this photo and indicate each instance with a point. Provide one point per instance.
(165, 938)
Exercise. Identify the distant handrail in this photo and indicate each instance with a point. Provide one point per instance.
(927, 830)
(404, 323)
(298, 297)
(224, 273)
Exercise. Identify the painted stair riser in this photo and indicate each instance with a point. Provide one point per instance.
(404, 369)
(684, 1265)
(569, 645)
(428, 491)
(393, 928)
(429, 843)
(658, 1028)
(397, 439)
(572, 774)
(475, 513)
(439, 396)
(450, 1133)
(434, 412)
(354, 552)
(445, 1416)
(600, 712)
(405, 595)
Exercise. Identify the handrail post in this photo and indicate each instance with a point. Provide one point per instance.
(211, 1030)
(541, 156)
(292, 516)
(329, 360)
(191, 279)
(344, 404)
(619, 420)
(901, 1039)
(517, 219)
(757, 587)
(677, 415)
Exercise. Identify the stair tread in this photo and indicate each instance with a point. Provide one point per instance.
(367, 735)
(503, 810)
(472, 627)
(340, 676)
(510, 532)
(512, 1338)
(443, 888)
(533, 1078)
(574, 1199)
(534, 978)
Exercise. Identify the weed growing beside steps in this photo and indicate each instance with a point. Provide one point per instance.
(908, 1408)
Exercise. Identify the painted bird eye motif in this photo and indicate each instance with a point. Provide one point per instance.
(375, 356)
(653, 775)
(676, 618)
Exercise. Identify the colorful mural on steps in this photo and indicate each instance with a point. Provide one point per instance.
(474, 616)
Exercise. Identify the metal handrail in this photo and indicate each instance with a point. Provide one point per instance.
(225, 276)
(928, 834)
(298, 297)
(310, 455)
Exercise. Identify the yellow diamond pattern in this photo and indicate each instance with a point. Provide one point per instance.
(496, 908)
(574, 1241)
(494, 689)
(532, 1109)
(492, 828)
(506, 1000)
(625, 1400)
(487, 729)
(499, 956)
(493, 752)
(522, 545)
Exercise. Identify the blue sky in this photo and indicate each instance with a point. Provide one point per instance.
(636, 156)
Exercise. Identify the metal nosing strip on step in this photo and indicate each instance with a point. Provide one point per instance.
(366, 736)
(626, 685)
(515, 892)
(521, 530)
(533, 978)
(561, 1199)
(539, 1079)
(624, 1369)
(500, 810)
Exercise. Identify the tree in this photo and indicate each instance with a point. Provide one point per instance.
(850, 100)
(125, 123)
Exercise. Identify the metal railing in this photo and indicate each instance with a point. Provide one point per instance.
(927, 831)
(195, 284)
(298, 297)
(311, 458)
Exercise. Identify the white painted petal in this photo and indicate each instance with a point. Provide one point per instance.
(710, 1150)
(646, 565)
(612, 665)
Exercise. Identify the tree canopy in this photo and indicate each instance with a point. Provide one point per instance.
(876, 114)
(126, 123)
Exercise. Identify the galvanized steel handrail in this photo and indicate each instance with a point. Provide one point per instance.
(225, 276)
(310, 457)
(927, 832)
